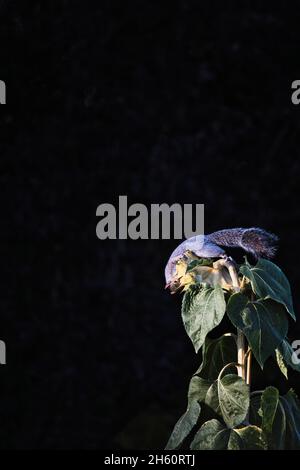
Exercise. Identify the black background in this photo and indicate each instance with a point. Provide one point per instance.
(181, 101)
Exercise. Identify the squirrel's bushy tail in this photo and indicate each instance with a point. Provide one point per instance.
(255, 240)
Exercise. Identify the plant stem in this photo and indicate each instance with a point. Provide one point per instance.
(248, 377)
(241, 353)
(249, 355)
(240, 336)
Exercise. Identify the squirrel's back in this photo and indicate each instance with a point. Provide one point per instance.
(254, 240)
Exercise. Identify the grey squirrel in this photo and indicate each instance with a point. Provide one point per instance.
(254, 240)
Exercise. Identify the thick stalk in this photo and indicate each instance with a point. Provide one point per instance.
(248, 376)
(249, 355)
(241, 354)
(230, 265)
(240, 336)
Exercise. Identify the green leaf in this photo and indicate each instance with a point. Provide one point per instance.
(263, 322)
(285, 356)
(278, 437)
(202, 310)
(199, 262)
(197, 391)
(254, 416)
(184, 425)
(229, 398)
(215, 436)
(269, 403)
(281, 362)
(234, 399)
(212, 398)
(216, 353)
(268, 281)
(291, 407)
(247, 438)
(211, 436)
(280, 428)
(281, 419)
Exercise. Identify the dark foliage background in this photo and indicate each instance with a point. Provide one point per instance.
(181, 101)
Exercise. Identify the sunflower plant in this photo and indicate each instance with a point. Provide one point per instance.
(222, 410)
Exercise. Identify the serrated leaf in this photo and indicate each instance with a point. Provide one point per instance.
(281, 363)
(278, 437)
(228, 397)
(254, 416)
(215, 436)
(264, 323)
(285, 355)
(291, 408)
(247, 438)
(202, 310)
(268, 281)
(234, 399)
(184, 426)
(269, 404)
(197, 391)
(211, 436)
(212, 398)
(281, 419)
(216, 353)
(199, 262)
